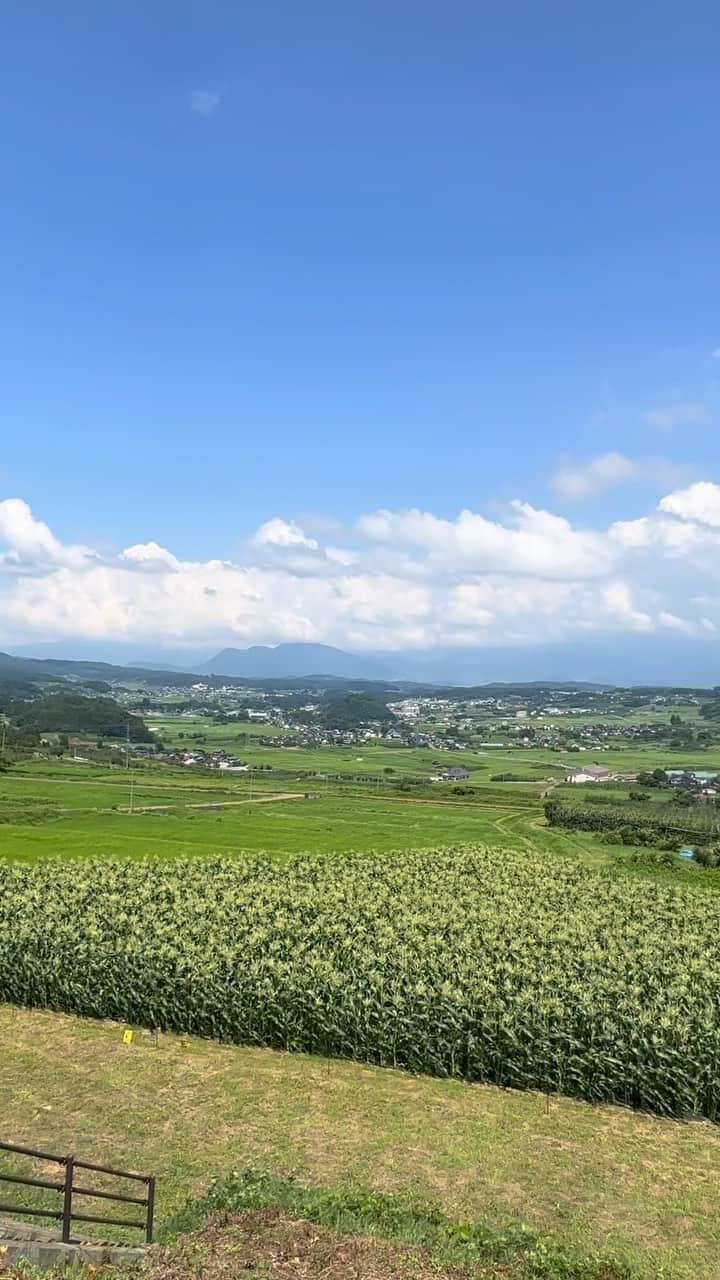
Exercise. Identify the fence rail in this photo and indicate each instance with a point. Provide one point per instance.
(68, 1188)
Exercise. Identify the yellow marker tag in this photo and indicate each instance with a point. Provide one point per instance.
(184, 1043)
(127, 1037)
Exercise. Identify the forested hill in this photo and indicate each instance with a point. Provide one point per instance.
(73, 713)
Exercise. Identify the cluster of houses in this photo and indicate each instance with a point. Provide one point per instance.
(302, 735)
(207, 759)
(699, 782)
(450, 775)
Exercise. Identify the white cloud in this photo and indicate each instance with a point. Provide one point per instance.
(632, 533)
(671, 620)
(531, 542)
(577, 480)
(683, 413)
(583, 480)
(205, 102)
(283, 533)
(149, 554)
(700, 502)
(30, 545)
(395, 580)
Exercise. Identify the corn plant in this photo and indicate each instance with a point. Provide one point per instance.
(477, 964)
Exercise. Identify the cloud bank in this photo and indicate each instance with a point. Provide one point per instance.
(392, 580)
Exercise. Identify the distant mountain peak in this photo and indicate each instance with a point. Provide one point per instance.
(290, 660)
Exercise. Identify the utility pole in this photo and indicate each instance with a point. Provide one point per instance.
(131, 779)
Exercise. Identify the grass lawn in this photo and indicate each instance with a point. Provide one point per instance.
(595, 1177)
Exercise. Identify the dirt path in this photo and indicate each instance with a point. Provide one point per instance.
(206, 804)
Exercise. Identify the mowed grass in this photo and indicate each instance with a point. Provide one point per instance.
(595, 1177)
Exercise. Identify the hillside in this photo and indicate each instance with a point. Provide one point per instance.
(54, 669)
(593, 1177)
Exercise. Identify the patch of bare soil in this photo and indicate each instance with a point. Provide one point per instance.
(272, 1245)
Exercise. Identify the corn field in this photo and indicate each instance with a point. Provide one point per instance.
(471, 963)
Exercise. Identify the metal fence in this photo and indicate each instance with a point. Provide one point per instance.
(68, 1188)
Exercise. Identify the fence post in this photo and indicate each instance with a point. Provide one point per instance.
(150, 1210)
(67, 1198)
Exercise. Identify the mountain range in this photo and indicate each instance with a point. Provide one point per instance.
(25, 673)
(670, 660)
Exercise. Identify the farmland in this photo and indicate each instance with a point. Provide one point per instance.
(74, 811)
(277, 826)
(307, 802)
(372, 758)
(499, 968)
(79, 811)
(243, 885)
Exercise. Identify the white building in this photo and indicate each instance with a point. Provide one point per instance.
(589, 773)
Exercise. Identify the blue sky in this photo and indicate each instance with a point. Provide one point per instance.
(311, 262)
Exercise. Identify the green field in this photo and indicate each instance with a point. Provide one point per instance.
(182, 731)
(688, 712)
(595, 1177)
(74, 810)
(71, 809)
(332, 823)
(366, 758)
(592, 1176)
